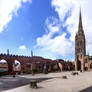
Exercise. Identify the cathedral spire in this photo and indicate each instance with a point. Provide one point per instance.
(80, 27)
(80, 46)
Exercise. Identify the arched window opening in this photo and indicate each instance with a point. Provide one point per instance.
(91, 65)
(16, 66)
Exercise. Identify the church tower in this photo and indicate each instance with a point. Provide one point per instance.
(80, 49)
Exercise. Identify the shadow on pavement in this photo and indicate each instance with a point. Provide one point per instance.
(7, 83)
(89, 89)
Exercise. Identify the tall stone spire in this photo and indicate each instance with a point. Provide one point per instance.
(80, 46)
(80, 27)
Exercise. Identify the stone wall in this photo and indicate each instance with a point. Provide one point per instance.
(28, 64)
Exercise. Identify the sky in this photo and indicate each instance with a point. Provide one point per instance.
(47, 27)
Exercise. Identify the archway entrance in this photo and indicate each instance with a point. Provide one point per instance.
(91, 66)
(79, 65)
(16, 66)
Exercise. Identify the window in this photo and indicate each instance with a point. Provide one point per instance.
(28, 65)
(91, 66)
(77, 43)
(90, 58)
(80, 43)
(80, 50)
(85, 60)
(38, 62)
(81, 56)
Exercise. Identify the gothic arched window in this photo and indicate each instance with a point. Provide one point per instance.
(80, 43)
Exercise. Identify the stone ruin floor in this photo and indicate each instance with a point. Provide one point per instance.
(52, 82)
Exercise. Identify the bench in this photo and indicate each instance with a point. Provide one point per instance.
(74, 73)
(33, 84)
(64, 77)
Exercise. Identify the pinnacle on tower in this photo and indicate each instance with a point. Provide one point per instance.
(7, 51)
(31, 53)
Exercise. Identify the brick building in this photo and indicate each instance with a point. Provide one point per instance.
(38, 64)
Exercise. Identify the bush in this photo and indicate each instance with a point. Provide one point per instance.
(23, 71)
(35, 70)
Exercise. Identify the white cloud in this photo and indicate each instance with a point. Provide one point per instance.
(7, 9)
(60, 45)
(22, 47)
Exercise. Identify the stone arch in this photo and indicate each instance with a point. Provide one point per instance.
(91, 66)
(79, 65)
(3, 66)
(2, 61)
(16, 66)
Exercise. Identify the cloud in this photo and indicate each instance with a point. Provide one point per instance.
(22, 47)
(66, 24)
(57, 45)
(8, 8)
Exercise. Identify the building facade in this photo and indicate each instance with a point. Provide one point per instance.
(82, 61)
(80, 48)
(27, 64)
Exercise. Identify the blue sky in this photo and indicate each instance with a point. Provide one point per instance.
(47, 27)
(24, 28)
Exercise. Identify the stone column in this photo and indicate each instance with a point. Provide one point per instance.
(82, 64)
(76, 66)
(88, 66)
